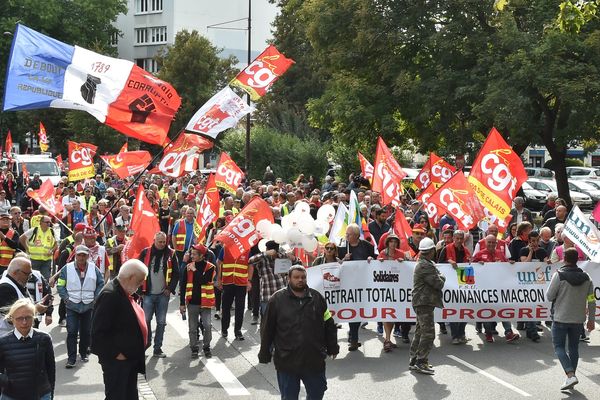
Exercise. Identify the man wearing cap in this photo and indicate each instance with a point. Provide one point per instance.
(426, 296)
(97, 253)
(68, 241)
(9, 241)
(163, 275)
(418, 233)
(114, 248)
(79, 284)
(417, 209)
(197, 297)
(40, 243)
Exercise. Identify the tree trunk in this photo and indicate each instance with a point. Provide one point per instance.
(560, 171)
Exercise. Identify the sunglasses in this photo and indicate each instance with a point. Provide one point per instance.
(329, 248)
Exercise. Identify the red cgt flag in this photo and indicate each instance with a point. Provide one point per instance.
(209, 207)
(128, 163)
(366, 167)
(497, 175)
(8, 144)
(144, 224)
(436, 170)
(44, 143)
(59, 161)
(430, 208)
(459, 200)
(240, 234)
(403, 230)
(181, 156)
(46, 197)
(387, 175)
(257, 78)
(229, 175)
(125, 148)
(81, 164)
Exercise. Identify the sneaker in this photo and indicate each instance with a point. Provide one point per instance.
(494, 332)
(456, 341)
(397, 333)
(584, 338)
(70, 365)
(255, 320)
(353, 346)
(443, 329)
(479, 327)
(84, 358)
(62, 323)
(521, 326)
(534, 338)
(539, 328)
(548, 324)
(158, 353)
(424, 368)
(569, 383)
(224, 334)
(405, 339)
(464, 340)
(217, 315)
(412, 364)
(511, 336)
(364, 325)
(379, 330)
(239, 336)
(489, 338)
(207, 352)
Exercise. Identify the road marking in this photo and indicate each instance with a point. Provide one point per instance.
(214, 365)
(490, 376)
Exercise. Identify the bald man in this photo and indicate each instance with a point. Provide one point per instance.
(561, 218)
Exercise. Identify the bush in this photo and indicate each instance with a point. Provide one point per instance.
(287, 155)
(570, 162)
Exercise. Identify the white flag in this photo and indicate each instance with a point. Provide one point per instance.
(338, 229)
(583, 233)
(222, 111)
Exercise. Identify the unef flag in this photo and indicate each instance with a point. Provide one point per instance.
(128, 163)
(430, 208)
(436, 170)
(81, 164)
(458, 199)
(43, 137)
(144, 224)
(229, 175)
(46, 197)
(583, 233)
(221, 112)
(257, 78)
(366, 167)
(387, 175)
(182, 156)
(8, 144)
(497, 175)
(44, 72)
(209, 208)
(240, 234)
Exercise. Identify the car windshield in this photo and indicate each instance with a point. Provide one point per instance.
(594, 184)
(45, 168)
(583, 186)
(527, 186)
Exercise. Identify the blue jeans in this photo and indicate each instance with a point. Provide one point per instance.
(560, 333)
(43, 266)
(314, 382)
(457, 329)
(78, 323)
(47, 396)
(156, 304)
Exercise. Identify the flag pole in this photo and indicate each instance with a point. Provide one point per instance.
(137, 178)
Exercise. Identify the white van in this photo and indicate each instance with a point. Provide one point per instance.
(44, 164)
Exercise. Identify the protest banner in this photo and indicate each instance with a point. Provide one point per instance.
(382, 291)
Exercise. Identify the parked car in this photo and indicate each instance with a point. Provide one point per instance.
(540, 173)
(586, 188)
(549, 186)
(583, 173)
(534, 199)
(595, 183)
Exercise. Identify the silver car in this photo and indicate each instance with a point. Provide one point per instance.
(549, 186)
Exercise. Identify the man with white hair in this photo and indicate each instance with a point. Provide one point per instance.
(120, 333)
(519, 213)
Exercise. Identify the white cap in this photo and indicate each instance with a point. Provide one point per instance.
(426, 244)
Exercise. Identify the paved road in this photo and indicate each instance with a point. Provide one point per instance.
(473, 371)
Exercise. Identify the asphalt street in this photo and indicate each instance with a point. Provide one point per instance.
(473, 371)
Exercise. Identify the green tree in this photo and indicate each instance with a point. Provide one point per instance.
(287, 155)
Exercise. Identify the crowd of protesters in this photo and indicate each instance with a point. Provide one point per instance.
(80, 251)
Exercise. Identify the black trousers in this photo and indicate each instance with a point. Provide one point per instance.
(120, 380)
(255, 295)
(231, 293)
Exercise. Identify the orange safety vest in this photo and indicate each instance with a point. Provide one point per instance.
(235, 271)
(207, 292)
(169, 268)
(6, 252)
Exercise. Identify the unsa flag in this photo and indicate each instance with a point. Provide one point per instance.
(436, 170)
(458, 199)
(387, 175)
(209, 208)
(181, 157)
(221, 112)
(366, 167)
(229, 175)
(144, 224)
(497, 175)
(46, 197)
(240, 234)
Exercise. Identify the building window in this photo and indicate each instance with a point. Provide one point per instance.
(114, 39)
(154, 35)
(141, 36)
(148, 6)
(149, 64)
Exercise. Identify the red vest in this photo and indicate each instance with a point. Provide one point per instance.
(207, 292)
(451, 253)
(235, 272)
(500, 245)
(6, 252)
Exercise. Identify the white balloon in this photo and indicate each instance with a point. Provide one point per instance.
(278, 234)
(306, 224)
(294, 237)
(302, 207)
(286, 222)
(262, 245)
(321, 227)
(326, 213)
(294, 219)
(264, 228)
(309, 243)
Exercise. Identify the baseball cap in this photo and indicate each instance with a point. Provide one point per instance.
(79, 227)
(89, 231)
(121, 227)
(418, 228)
(447, 228)
(4, 214)
(190, 197)
(200, 248)
(82, 249)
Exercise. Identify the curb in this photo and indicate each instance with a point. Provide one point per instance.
(144, 390)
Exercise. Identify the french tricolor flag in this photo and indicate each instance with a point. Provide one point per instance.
(44, 72)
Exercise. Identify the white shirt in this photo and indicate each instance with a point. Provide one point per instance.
(19, 336)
